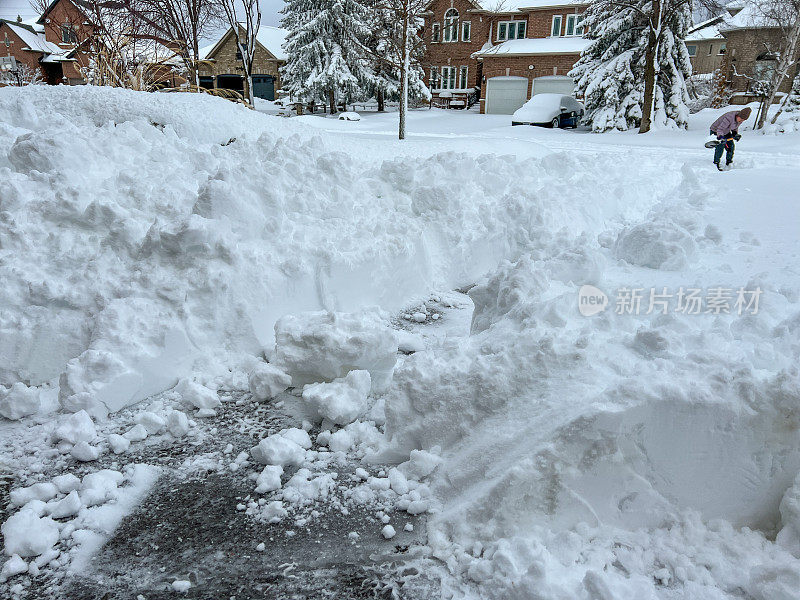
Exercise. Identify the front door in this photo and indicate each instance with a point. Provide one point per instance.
(264, 87)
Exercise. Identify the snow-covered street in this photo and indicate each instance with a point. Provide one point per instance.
(250, 356)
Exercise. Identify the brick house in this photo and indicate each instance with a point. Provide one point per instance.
(706, 46)
(222, 63)
(501, 55)
(752, 43)
(51, 46)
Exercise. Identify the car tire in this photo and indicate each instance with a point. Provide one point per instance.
(555, 123)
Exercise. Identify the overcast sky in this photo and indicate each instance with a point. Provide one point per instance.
(9, 9)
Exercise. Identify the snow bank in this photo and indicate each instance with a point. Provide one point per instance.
(615, 455)
(143, 231)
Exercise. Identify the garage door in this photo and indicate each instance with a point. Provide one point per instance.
(504, 95)
(553, 84)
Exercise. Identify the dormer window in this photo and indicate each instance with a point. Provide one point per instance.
(574, 26)
(68, 35)
(555, 30)
(451, 25)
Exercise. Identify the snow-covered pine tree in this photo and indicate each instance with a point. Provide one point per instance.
(612, 73)
(326, 56)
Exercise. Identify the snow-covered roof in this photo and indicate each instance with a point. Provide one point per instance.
(528, 46)
(272, 39)
(34, 40)
(751, 16)
(519, 5)
(707, 30)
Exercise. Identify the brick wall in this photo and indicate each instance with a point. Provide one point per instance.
(66, 12)
(226, 63)
(456, 54)
(703, 61)
(31, 59)
(527, 66)
(743, 48)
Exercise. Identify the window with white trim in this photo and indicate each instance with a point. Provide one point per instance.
(466, 31)
(510, 30)
(450, 25)
(722, 48)
(555, 30)
(462, 77)
(448, 78)
(571, 21)
(579, 28)
(436, 33)
(434, 78)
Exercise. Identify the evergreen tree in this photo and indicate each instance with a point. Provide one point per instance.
(634, 71)
(326, 57)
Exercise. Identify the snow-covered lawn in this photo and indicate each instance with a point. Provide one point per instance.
(171, 264)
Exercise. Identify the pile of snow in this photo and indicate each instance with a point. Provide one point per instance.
(145, 231)
(611, 456)
(65, 520)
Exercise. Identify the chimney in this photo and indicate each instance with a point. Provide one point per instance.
(19, 19)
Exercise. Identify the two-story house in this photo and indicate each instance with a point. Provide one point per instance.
(503, 53)
(55, 45)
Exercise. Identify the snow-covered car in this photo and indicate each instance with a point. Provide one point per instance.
(554, 110)
(349, 116)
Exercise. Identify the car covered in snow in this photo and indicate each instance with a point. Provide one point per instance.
(554, 110)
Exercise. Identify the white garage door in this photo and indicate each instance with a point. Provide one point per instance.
(553, 84)
(504, 95)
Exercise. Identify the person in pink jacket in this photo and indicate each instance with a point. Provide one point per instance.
(726, 128)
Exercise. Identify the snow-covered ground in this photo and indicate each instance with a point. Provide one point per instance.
(162, 259)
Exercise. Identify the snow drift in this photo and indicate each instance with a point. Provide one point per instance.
(141, 232)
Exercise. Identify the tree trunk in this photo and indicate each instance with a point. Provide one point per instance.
(379, 97)
(785, 62)
(404, 76)
(332, 101)
(649, 82)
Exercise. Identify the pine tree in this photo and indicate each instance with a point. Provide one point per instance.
(325, 49)
(634, 71)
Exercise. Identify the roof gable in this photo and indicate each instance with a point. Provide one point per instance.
(269, 39)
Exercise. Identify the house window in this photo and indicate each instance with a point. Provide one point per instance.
(722, 48)
(434, 77)
(579, 29)
(451, 25)
(436, 32)
(238, 53)
(7, 42)
(68, 35)
(466, 31)
(555, 31)
(710, 49)
(510, 30)
(765, 67)
(462, 78)
(691, 49)
(571, 20)
(448, 78)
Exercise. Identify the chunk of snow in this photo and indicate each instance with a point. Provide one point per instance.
(420, 464)
(178, 423)
(66, 483)
(323, 346)
(341, 401)
(277, 450)
(27, 534)
(274, 512)
(269, 479)
(13, 566)
(43, 491)
(341, 441)
(152, 422)
(67, 506)
(267, 381)
(388, 532)
(298, 436)
(181, 585)
(19, 401)
(84, 452)
(118, 443)
(77, 427)
(137, 433)
(197, 395)
(419, 317)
